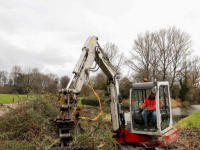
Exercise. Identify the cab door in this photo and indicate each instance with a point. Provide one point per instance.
(165, 117)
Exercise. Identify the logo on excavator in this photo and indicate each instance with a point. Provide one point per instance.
(91, 41)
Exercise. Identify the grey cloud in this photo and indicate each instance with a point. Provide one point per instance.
(11, 55)
(16, 4)
(60, 72)
(113, 8)
(192, 15)
(8, 23)
(16, 16)
(53, 56)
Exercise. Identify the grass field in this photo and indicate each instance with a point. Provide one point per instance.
(79, 101)
(192, 121)
(8, 98)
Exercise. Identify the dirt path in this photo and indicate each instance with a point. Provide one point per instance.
(5, 107)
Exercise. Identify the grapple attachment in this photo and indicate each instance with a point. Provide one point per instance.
(68, 117)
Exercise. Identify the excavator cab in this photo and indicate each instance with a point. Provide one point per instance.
(135, 131)
(141, 91)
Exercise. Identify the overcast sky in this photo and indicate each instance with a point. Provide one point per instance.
(49, 34)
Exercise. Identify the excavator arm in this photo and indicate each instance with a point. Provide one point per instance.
(69, 114)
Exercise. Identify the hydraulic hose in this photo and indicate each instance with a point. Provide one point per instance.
(100, 108)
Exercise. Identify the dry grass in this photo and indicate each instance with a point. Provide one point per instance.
(177, 103)
(174, 103)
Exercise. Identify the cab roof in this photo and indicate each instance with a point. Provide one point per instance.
(144, 85)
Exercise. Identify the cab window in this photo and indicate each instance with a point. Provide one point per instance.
(138, 98)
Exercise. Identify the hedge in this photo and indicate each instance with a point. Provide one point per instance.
(94, 102)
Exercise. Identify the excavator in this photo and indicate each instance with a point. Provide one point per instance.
(129, 127)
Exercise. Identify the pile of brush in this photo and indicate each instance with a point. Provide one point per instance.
(97, 134)
(30, 125)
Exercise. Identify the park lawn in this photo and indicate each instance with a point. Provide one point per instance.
(8, 98)
(192, 121)
(79, 101)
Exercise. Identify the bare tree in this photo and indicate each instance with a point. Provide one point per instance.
(64, 80)
(99, 82)
(16, 70)
(37, 80)
(85, 91)
(194, 65)
(3, 79)
(115, 57)
(53, 83)
(27, 80)
(164, 50)
(143, 61)
(181, 44)
(124, 86)
(32, 80)
(159, 54)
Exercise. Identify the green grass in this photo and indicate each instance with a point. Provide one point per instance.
(79, 101)
(192, 121)
(8, 98)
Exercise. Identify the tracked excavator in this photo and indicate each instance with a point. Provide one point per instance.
(128, 128)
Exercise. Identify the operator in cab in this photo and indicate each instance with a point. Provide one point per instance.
(150, 103)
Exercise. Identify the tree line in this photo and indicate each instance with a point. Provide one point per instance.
(30, 79)
(163, 55)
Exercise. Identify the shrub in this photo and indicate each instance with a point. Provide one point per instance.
(94, 102)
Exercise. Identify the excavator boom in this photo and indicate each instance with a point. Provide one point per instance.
(69, 112)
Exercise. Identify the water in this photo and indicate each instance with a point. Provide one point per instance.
(182, 112)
